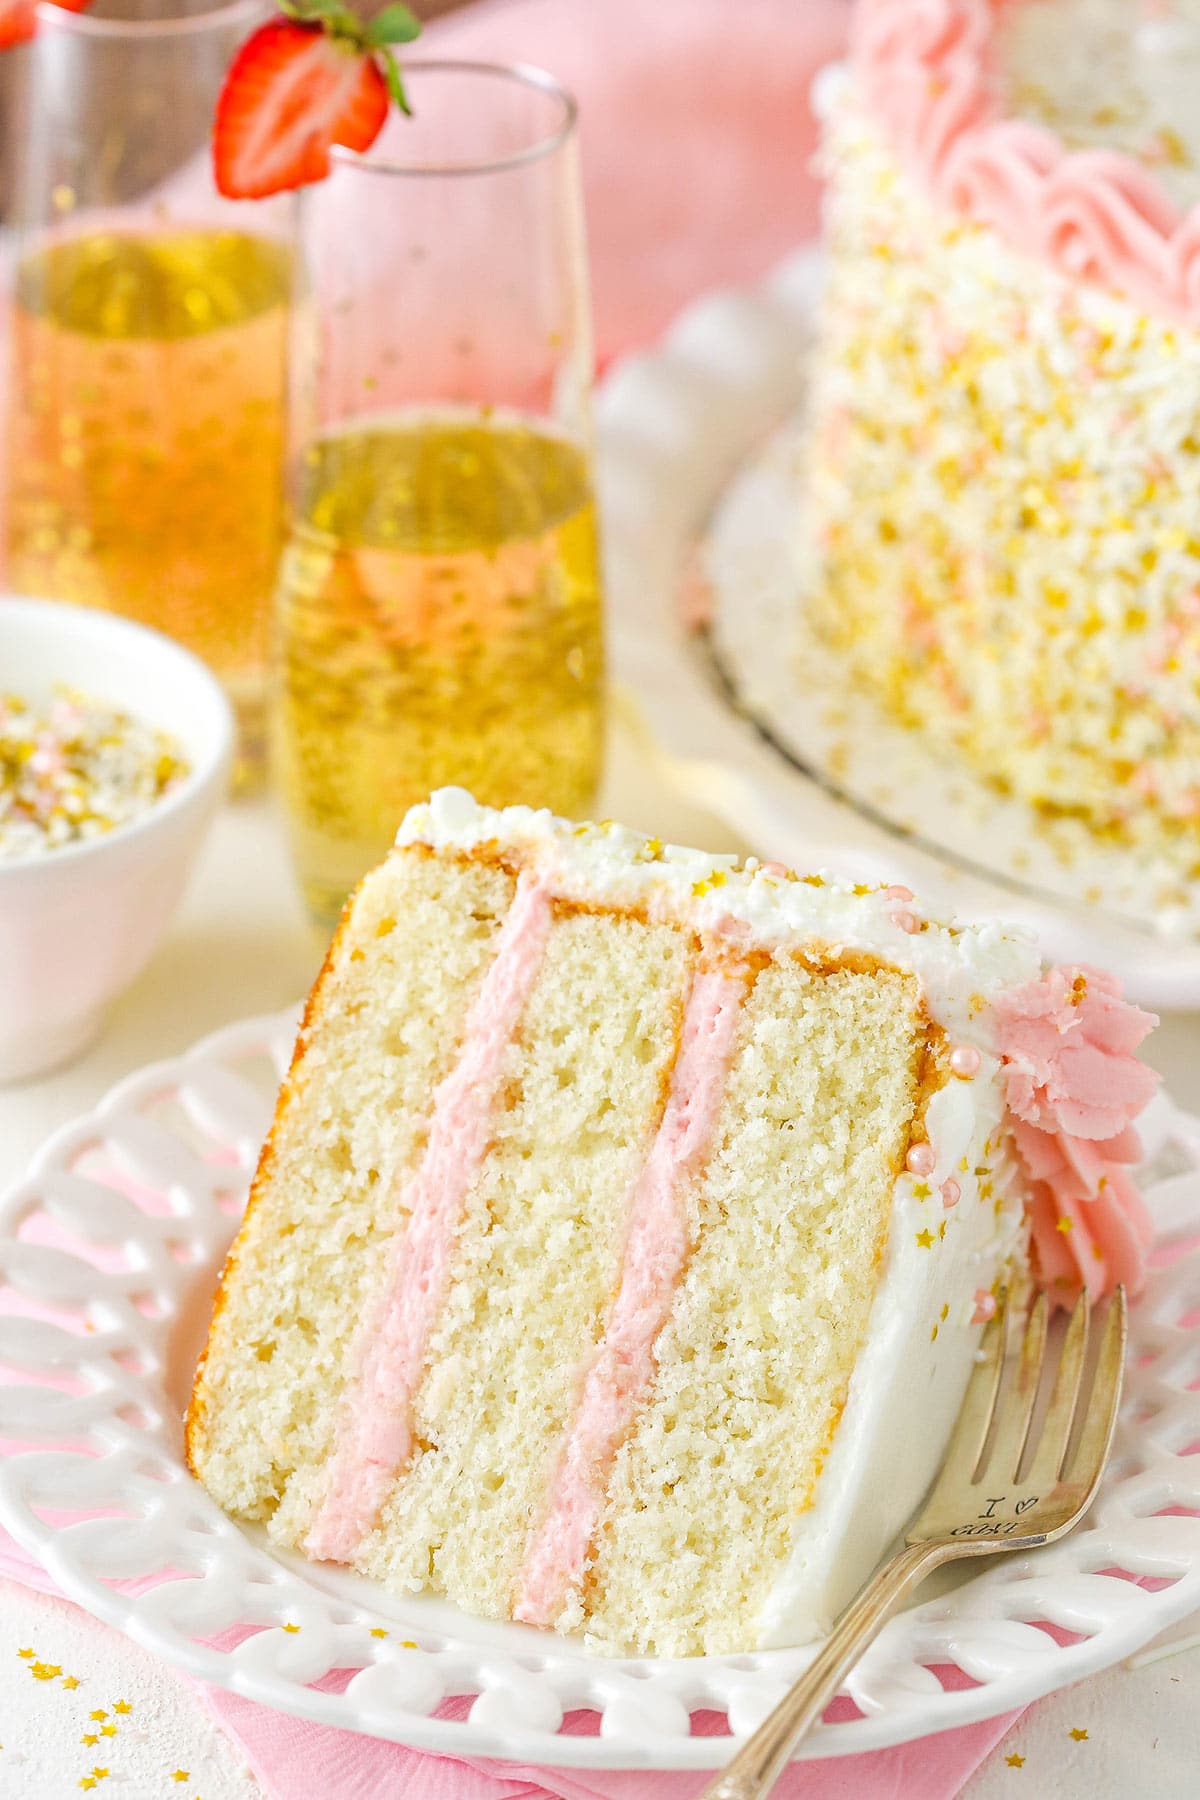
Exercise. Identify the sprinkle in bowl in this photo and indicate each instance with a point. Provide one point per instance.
(79, 919)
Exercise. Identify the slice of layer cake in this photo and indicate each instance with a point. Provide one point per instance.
(619, 1253)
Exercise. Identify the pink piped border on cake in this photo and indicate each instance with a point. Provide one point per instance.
(656, 1252)
(925, 71)
(375, 1440)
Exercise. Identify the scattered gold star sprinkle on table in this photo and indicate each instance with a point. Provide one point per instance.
(925, 1239)
(87, 1781)
(181, 1775)
(108, 1731)
(1014, 1761)
(1078, 1733)
(44, 1671)
(70, 1681)
(378, 1631)
(25, 1653)
(122, 1706)
(99, 1713)
(407, 1644)
(89, 1737)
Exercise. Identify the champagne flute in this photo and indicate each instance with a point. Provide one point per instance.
(439, 610)
(148, 320)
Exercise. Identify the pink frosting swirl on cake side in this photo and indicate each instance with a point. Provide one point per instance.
(925, 70)
(1074, 1086)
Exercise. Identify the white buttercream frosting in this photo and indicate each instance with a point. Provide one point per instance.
(959, 968)
(912, 1371)
(921, 1340)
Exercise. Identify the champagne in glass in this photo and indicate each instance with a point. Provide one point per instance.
(439, 611)
(146, 433)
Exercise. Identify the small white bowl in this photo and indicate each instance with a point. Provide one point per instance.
(77, 924)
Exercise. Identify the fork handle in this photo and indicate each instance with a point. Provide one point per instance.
(752, 1773)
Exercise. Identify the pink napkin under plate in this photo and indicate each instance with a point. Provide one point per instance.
(295, 1760)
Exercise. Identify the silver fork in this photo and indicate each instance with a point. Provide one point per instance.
(989, 1496)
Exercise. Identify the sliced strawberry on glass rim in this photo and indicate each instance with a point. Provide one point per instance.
(301, 84)
(18, 19)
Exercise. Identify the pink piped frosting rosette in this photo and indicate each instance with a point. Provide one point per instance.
(1074, 1086)
(925, 70)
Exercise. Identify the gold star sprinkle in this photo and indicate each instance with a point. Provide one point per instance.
(933, 1335)
(921, 1190)
(71, 1681)
(98, 1714)
(925, 1239)
(99, 1773)
(180, 1775)
(44, 1671)
(108, 1731)
(1065, 1225)
(1014, 1761)
(942, 1229)
(122, 1706)
(378, 1631)
(87, 1781)
(946, 1310)
(1078, 1733)
(89, 1738)
(25, 1653)
(407, 1644)
(291, 1628)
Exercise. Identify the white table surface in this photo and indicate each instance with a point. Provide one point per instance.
(240, 946)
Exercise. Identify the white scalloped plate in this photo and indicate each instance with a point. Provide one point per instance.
(697, 487)
(120, 1230)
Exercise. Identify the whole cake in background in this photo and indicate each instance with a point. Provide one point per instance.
(1002, 490)
(621, 1248)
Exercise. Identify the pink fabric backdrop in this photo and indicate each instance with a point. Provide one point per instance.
(696, 129)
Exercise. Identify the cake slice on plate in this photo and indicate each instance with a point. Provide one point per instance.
(621, 1247)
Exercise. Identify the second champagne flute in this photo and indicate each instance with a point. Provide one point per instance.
(439, 611)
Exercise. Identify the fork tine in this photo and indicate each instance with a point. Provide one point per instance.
(1087, 1465)
(975, 1416)
(1051, 1452)
(1015, 1406)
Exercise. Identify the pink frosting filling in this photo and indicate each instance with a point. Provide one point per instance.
(375, 1439)
(925, 71)
(1074, 1087)
(656, 1250)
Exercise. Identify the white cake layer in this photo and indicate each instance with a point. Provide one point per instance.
(960, 968)
(912, 1371)
(921, 1341)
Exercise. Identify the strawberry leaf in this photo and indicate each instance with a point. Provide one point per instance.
(395, 81)
(394, 25)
